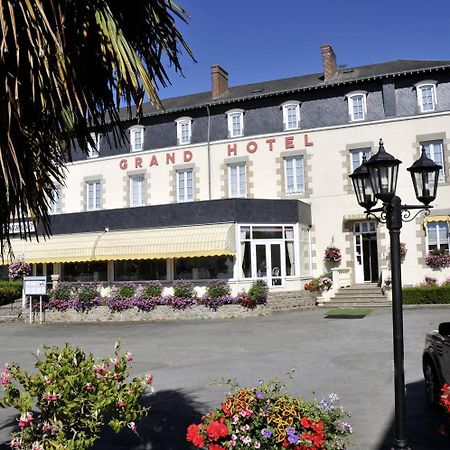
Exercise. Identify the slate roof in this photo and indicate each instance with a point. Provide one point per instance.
(295, 84)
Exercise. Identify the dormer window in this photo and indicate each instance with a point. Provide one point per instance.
(137, 138)
(426, 96)
(94, 149)
(291, 115)
(184, 130)
(235, 123)
(357, 108)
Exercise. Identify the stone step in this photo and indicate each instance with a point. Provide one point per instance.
(358, 295)
(355, 305)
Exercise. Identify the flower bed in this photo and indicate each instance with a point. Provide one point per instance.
(80, 297)
(266, 417)
(438, 259)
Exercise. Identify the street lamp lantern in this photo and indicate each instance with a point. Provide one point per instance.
(383, 172)
(377, 179)
(363, 186)
(425, 177)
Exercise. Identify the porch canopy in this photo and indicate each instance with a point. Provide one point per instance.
(153, 243)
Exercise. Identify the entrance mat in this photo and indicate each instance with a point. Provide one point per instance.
(348, 313)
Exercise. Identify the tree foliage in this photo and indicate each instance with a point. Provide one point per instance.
(66, 67)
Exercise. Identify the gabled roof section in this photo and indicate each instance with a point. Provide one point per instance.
(295, 84)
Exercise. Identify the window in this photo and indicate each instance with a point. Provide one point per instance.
(137, 185)
(426, 96)
(140, 270)
(84, 271)
(235, 123)
(357, 156)
(185, 185)
(291, 115)
(434, 151)
(213, 267)
(93, 195)
(137, 138)
(357, 106)
(184, 130)
(237, 180)
(295, 175)
(55, 201)
(438, 237)
(94, 149)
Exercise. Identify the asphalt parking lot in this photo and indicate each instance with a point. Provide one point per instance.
(350, 357)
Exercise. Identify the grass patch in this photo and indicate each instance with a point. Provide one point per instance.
(348, 313)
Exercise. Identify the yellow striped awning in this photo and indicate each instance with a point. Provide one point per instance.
(445, 218)
(151, 243)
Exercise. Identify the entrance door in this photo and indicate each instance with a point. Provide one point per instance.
(268, 262)
(366, 252)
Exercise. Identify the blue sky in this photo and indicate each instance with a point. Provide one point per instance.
(258, 40)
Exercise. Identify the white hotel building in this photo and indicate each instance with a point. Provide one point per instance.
(250, 182)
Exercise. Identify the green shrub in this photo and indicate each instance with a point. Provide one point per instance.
(75, 395)
(126, 290)
(10, 291)
(258, 292)
(153, 289)
(63, 291)
(218, 288)
(183, 289)
(422, 295)
(87, 293)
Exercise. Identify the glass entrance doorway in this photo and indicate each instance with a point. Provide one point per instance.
(268, 262)
(366, 252)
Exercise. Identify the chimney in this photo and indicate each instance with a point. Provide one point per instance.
(219, 79)
(329, 62)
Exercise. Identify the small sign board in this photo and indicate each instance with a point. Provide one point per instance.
(35, 285)
(15, 227)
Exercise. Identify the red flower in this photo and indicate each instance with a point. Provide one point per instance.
(216, 430)
(215, 447)
(225, 410)
(194, 436)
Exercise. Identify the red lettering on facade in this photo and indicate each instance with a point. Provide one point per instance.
(123, 164)
(187, 155)
(138, 162)
(232, 149)
(308, 143)
(154, 161)
(270, 142)
(252, 146)
(289, 142)
(170, 157)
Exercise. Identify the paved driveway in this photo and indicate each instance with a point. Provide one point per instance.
(351, 357)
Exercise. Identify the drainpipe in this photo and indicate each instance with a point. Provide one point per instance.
(209, 152)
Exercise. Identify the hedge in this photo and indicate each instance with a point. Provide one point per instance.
(10, 291)
(433, 295)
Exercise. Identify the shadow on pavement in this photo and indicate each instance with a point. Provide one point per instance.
(171, 412)
(164, 428)
(422, 423)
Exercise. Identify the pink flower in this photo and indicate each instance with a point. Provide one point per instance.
(133, 427)
(121, 404)
(88, 387)
(129, 357)
(149, 378)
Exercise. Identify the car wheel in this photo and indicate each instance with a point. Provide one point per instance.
(432, 388)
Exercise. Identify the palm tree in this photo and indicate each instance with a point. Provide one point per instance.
(66, 67)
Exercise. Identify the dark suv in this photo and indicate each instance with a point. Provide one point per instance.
(436, 362)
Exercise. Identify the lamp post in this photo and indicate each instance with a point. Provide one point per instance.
(376, 179)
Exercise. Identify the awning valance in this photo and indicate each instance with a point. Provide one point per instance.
(152, 243)
(445, 218)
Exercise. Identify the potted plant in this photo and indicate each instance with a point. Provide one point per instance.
(333, 254)
(438, 259)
